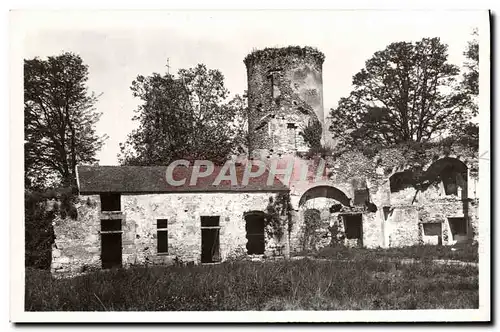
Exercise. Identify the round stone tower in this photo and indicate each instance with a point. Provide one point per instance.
(285, 95)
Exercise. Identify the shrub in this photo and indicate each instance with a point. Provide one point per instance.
(40, 210)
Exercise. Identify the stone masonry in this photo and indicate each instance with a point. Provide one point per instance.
(285, 94)
(78, 244)
(352, 206)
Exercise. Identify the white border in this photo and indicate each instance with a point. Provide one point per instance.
(17, 313)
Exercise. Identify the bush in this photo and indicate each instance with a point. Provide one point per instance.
(40, 210)
(39, 234)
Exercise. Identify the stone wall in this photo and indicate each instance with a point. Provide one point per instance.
(285, 86)
(372, 230)
(400, 215)
(401, 219)
(441, 211)
(332, 224)
(77, 242)
(77, 246)
(401, 227)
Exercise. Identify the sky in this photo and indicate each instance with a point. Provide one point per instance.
(118, 46)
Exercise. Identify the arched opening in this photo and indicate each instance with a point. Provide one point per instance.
(254, 227)
(452, 173)
(345, 224)
(401, 180)
(325, 191)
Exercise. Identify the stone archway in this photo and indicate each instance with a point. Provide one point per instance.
(330, 217)
(452, 172)
(327, 192)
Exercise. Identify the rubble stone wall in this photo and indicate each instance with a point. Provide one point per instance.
(77, 242)
(285, 86)
(77, 246)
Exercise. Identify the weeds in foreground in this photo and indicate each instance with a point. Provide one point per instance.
(285, 285)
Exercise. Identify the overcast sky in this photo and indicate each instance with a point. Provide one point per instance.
(119, 46)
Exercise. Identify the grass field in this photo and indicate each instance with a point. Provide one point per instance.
(462, 252)
(283, 285)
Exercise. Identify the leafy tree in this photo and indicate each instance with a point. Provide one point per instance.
(407, 93)
(59, 120)
(184, 118)
(470, 78)
(468, 133)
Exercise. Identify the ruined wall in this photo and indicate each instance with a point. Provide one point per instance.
(285, 92)
(77, 242)
(77, 246)
(331, 227)
(401, 227)
(372, 230)
(434, 206)
(441, 212)
(402, 216)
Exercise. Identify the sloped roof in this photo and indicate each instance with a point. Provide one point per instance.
(152, 179)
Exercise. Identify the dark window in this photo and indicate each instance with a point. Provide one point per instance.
(458, 226)
(162, 223)
(291, 125)
(209, 221)
(111, 225)
(110, 202)
(353, 225)
(162, 230)
(432, 229)
(361, 196)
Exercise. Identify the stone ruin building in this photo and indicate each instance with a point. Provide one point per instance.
(130, 215)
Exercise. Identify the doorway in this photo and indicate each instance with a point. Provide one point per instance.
(458, 227)
(111, 243)
(354, 228)
(210, 239)
(254, 226)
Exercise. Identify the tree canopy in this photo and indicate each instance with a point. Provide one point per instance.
(470, 78)
(468, 133)
(184, 117)
(59, 120)
(407, 93)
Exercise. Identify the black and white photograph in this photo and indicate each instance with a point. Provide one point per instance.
(215, 165)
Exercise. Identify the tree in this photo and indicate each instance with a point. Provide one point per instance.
(468, 133)
(59, 120)
(184, 118)
(407, 93)
(470, 78)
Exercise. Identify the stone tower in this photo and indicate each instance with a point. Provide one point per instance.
(285, 95)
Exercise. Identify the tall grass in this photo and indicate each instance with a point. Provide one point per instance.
(284, 285)
(466, 253)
